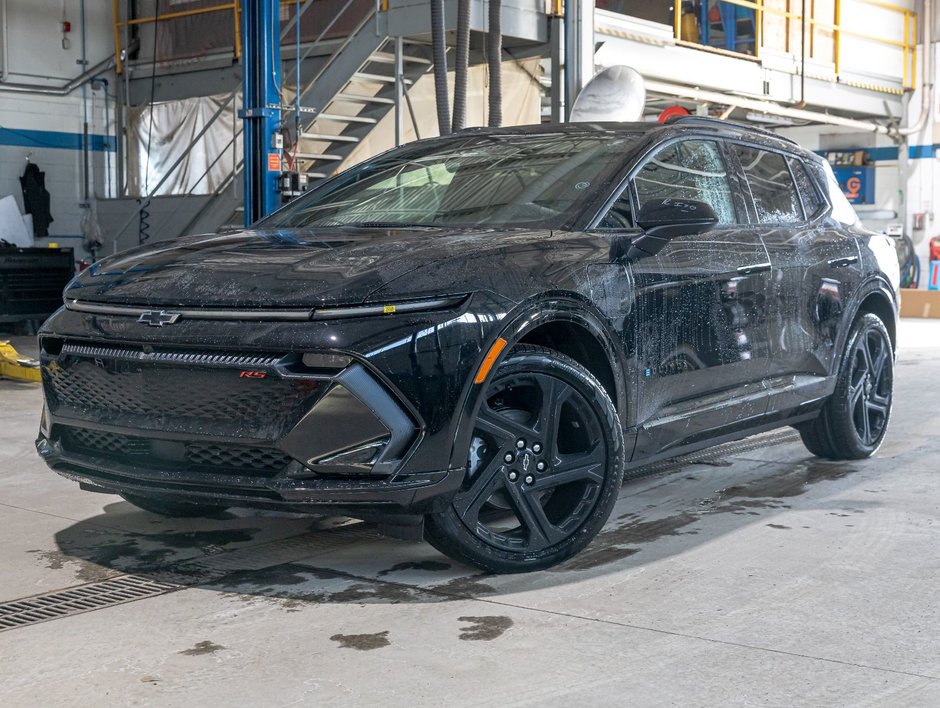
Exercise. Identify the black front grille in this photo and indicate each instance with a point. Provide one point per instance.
(218, 458)
(188, 392)
(238, 457)
(102, 441)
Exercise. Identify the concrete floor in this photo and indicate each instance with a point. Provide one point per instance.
(762, 576)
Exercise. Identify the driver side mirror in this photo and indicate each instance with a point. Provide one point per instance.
(665, 219)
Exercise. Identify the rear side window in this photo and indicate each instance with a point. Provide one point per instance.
(772, 188)
(841, 209)
(690, 169)
(812, 202)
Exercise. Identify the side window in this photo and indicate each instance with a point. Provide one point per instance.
(812, 202)
(772, 188)
(620, 214)
(841, 209)
(691, 169)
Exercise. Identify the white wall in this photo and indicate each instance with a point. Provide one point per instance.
(37, 125)
(908, 185)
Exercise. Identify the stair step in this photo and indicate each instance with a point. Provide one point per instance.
(376, 78)
(347, 119)
(388, 58)
(326, 137)
(358, 98)
(318, 156)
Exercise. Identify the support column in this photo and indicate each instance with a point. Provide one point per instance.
(399, 91)
(261, 77)
(557, 41)
(579, 48)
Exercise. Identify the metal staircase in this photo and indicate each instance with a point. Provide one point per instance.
(345, 99)
(351, 94)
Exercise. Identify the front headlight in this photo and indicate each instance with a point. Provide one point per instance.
(443, 303)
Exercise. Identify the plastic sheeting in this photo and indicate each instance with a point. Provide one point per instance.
(175, 124)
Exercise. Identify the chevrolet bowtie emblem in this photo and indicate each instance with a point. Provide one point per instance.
(158, 318)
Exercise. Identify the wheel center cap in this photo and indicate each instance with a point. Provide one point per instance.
(526, 461)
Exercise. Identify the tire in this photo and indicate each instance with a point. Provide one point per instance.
(544, 468)
(172, 508)
(853, 422)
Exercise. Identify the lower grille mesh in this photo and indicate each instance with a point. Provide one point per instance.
(246, 460)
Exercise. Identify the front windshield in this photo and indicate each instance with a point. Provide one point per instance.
(469, 180)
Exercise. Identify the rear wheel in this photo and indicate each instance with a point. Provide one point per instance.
(173, 508)
(854, 420)
(544, 467)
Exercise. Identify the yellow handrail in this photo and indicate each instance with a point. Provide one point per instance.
(118, 24)
(908, 45)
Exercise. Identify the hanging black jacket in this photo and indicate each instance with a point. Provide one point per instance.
(36, 199)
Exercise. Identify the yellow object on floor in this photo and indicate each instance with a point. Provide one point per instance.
(14, 366)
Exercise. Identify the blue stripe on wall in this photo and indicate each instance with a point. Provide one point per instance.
(53, 139)
(880, 154)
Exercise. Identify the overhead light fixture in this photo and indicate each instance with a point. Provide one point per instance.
(769, 119)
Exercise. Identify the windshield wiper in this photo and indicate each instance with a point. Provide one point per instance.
(386, 225)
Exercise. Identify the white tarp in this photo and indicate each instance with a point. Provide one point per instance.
(174, 125)
(13, 224)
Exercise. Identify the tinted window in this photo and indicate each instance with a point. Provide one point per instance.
(812, 202)
(691, 169)
(841, 209)
(620, 214)
(501, 179)
(771, 186)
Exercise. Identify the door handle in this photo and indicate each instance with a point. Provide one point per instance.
(755, 268)
(842, 262)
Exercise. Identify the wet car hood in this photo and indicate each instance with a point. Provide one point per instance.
(284, 267)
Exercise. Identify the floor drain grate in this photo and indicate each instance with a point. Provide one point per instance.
(85, 598)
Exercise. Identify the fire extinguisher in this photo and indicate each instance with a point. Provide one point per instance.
(933, 269)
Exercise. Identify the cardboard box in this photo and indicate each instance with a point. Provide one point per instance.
(920, 303)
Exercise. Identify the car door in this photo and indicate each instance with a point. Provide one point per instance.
(696, 323)
(814, 268)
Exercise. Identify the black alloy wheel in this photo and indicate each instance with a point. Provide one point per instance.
(870, 385)
(853, 422)
(543, 471)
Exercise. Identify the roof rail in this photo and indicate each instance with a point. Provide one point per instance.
(718, 122)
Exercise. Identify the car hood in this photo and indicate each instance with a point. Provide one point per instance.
(286, 267)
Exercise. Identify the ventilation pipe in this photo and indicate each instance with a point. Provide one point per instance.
(926, 89)
(46, 90)
(463, 59)
(439, 50)
(494, 51)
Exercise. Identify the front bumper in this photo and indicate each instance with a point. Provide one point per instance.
(365, 498)
(144, 410)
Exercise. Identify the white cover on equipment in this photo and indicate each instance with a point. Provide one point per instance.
(12, 224)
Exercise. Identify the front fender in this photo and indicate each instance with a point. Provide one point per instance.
(520, 321)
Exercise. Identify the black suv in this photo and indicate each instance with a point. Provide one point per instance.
(472, 337)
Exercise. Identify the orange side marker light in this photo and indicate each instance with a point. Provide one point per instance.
(491, 356)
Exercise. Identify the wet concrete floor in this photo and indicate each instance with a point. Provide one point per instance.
(758, 576)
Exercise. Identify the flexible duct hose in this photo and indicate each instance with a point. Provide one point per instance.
(463, 59)
(439, 51)
(494, 51)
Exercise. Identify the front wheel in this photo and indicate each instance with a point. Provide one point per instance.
(544, 467)
(854, 420)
